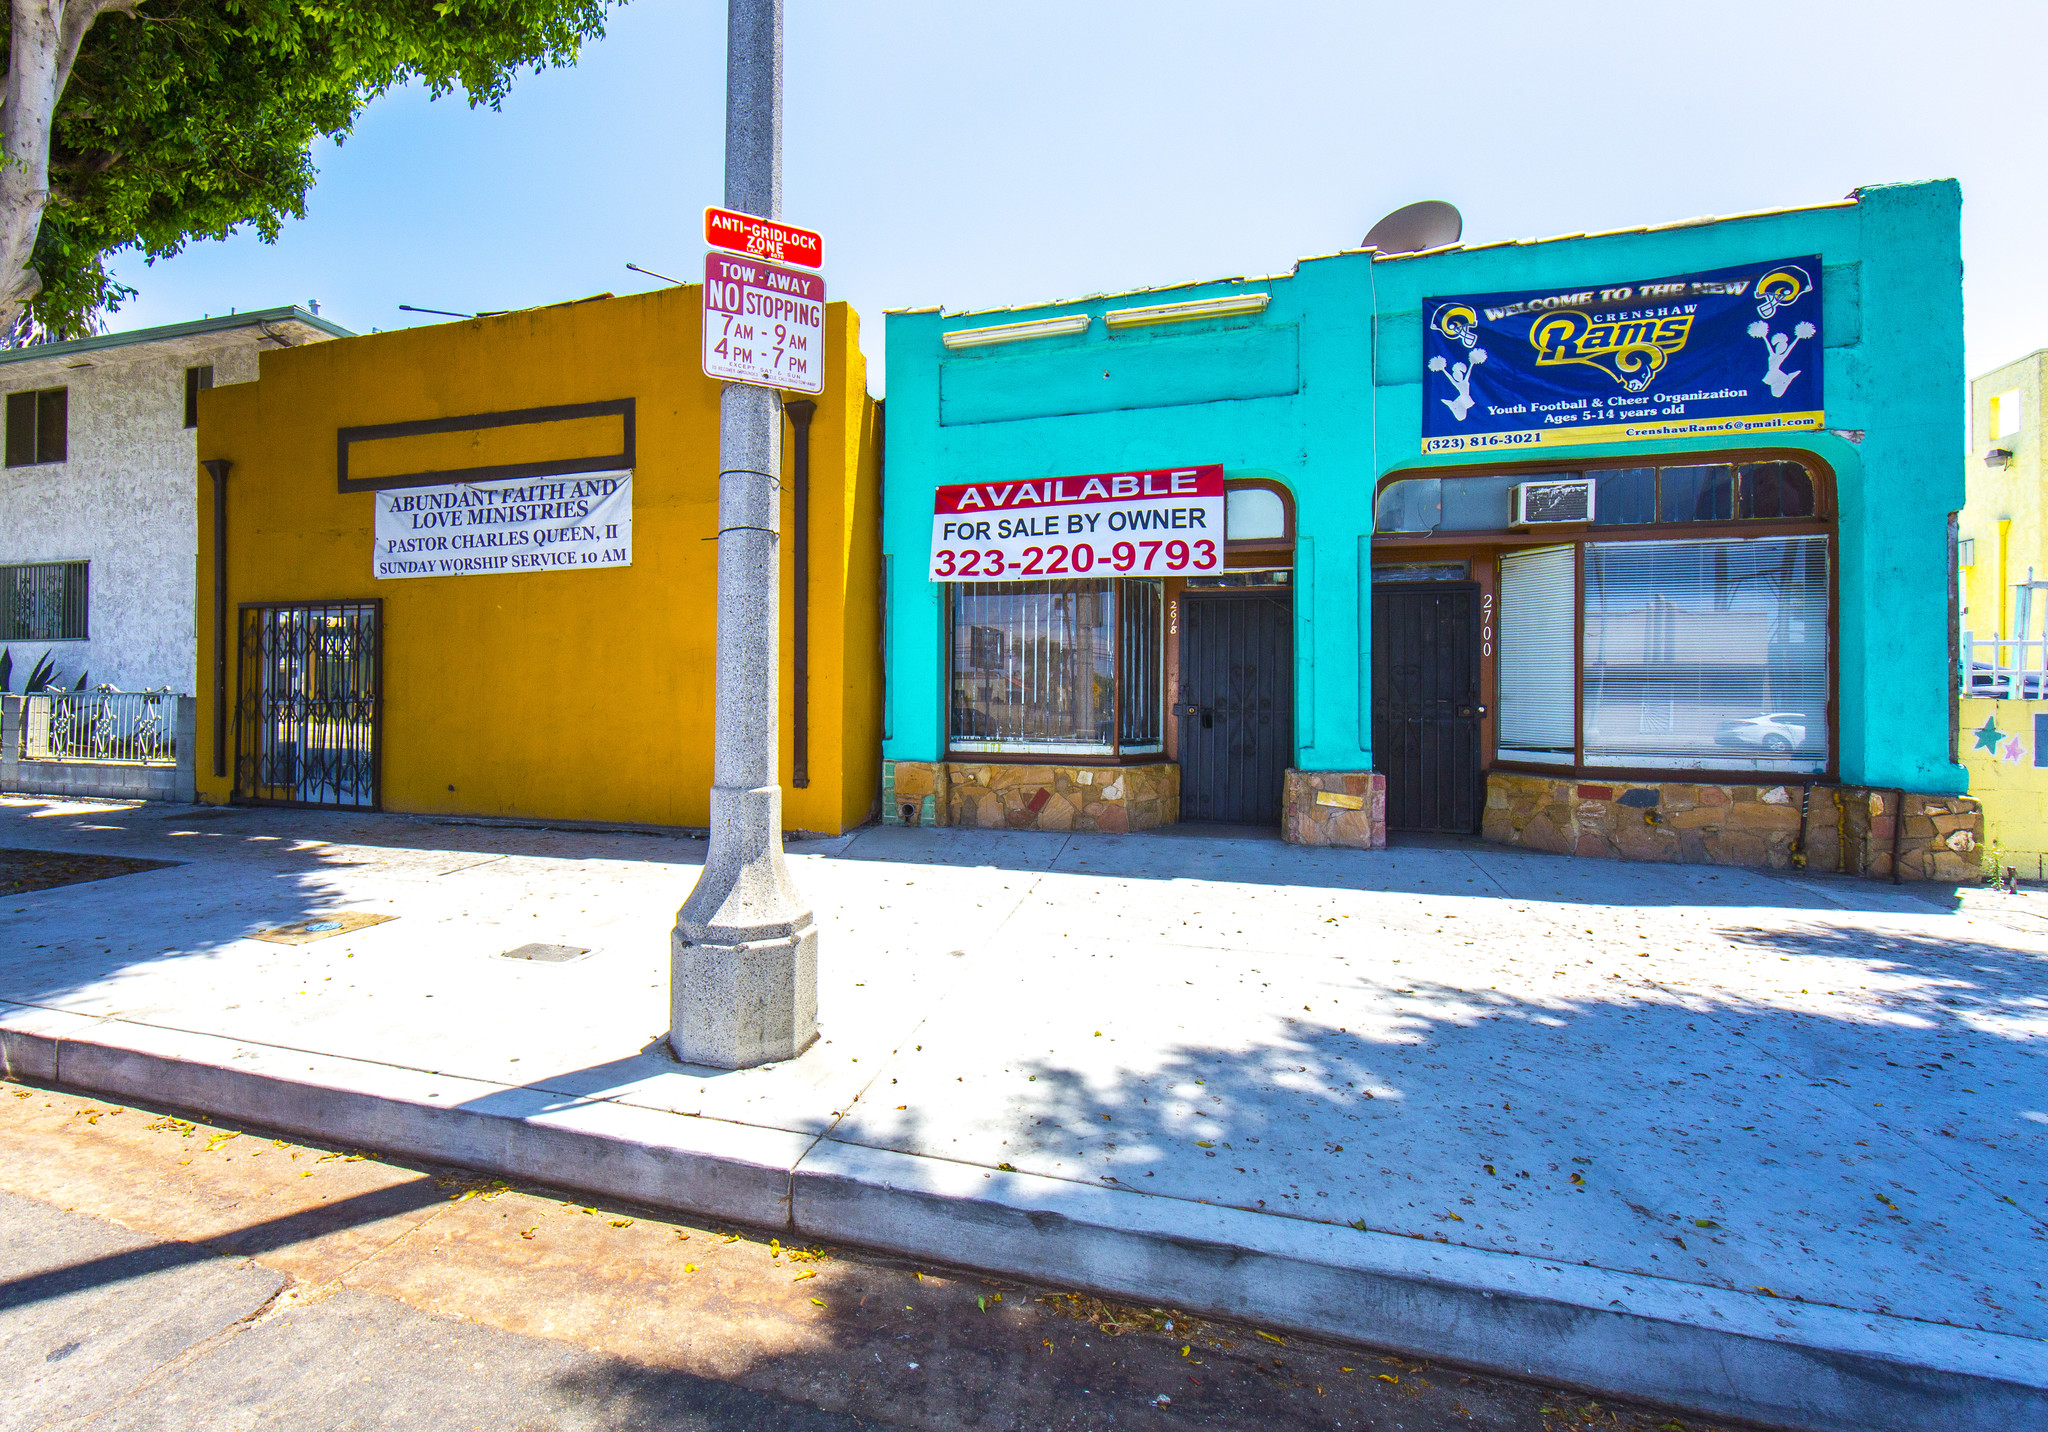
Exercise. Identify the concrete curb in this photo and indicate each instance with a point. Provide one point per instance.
(1706, 1350)
(723, 1170)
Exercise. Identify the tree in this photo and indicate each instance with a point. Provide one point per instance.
(143, 124)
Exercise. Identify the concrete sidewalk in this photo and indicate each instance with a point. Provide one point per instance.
(1760, 1147)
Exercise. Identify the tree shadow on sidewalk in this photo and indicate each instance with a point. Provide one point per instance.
(1876, 1149)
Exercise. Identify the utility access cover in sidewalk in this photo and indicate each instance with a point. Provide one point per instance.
(550, 954)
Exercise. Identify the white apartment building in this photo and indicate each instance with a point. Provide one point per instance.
(99, 502)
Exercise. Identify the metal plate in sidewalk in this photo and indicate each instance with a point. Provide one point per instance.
(321, 927)
(547, 954)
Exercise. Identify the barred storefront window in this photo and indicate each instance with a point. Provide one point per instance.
(1056, 668)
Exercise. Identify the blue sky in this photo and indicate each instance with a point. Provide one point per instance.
(977, 154)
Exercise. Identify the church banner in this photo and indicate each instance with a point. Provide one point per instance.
(1733, 351)
(530, 524)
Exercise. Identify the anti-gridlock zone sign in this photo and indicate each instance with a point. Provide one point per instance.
(1168, 522)
(763, 238)
(764, 324)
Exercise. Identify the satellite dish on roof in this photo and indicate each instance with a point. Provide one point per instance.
(1428, 225)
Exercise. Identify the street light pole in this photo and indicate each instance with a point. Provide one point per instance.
(743, 981)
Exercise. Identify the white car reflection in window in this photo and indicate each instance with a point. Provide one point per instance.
(1778, 732)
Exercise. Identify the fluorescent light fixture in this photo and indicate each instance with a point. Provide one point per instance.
(1227, 307)
(1016, 332)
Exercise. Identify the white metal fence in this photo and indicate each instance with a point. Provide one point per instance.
(132, 728)
(2007, 667)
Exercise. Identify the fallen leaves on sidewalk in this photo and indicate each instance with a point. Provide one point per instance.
(476, 1188)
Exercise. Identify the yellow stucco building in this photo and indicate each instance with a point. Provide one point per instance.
(2002, 595)
(471, 570)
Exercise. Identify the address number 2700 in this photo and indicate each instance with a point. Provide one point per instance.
(1059, 558)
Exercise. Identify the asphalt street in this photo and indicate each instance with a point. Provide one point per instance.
(160, 1272)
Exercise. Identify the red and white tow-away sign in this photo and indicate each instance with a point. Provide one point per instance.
(763, 238)
(1162, 523)
(763, 324)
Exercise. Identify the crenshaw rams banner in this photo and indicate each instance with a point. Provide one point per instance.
(528, 524)
(1729, 351)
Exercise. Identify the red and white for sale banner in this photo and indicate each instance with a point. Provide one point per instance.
(1166, 522)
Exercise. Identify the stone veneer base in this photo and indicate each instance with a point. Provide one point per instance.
(1846, 829)
(1346, 808)
(1004, 796)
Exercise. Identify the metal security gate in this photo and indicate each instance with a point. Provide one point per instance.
(1236, 705)
(309, 704)
(1425, 704)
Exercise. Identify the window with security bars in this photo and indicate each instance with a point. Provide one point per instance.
(44, 601)
(37, 427)
(1057, 668)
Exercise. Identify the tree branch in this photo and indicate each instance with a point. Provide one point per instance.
(43, 43)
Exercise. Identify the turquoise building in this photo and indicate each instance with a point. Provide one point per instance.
(1633, 544)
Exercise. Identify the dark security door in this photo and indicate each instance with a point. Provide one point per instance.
(1425, 704)
(309, 703)
(1236, 705)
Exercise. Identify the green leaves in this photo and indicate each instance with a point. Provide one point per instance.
(196, 118)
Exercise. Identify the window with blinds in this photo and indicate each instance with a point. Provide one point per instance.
(1706, 655)
(1538, 621)
(1058, 668)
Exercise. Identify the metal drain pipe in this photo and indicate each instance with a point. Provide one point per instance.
(801, 411)
(218, 467)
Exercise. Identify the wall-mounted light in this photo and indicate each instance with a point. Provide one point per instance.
(1017, 332)
(1998, 457)
(1226, 307)
(1966, 552)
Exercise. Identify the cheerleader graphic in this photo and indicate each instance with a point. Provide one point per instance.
(1460, 375)
(1780, 346)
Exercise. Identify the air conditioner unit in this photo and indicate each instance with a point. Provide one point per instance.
(1542, 502)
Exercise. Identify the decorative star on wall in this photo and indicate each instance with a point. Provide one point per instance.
(1988, 735)
(2012, 752)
